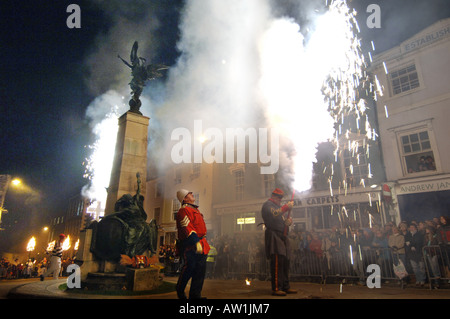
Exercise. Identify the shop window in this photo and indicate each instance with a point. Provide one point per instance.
(245, 222)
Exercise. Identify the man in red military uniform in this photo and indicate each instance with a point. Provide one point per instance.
(277, 242)
(192, 236)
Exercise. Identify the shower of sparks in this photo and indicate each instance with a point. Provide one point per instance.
(385, 68)
(310, 90)
(98, 166)
(324, 79)
(344, 85)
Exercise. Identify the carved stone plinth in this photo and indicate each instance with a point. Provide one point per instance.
(142, 279)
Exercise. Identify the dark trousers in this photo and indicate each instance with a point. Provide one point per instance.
(195, 268)
(279, 271)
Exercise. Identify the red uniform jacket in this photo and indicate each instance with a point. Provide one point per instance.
(189, 221)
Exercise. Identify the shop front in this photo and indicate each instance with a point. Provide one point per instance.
(424, 198)
(320, 210)
(312, 210)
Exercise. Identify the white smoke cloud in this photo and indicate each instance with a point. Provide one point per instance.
(242, 64)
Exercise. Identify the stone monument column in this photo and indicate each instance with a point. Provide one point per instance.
(130, 157)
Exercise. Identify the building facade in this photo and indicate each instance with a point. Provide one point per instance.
(413, 117)
(406, 176)
(230, 197)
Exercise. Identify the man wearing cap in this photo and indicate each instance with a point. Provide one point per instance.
(277, 242)
(192, 235)
(55, 260)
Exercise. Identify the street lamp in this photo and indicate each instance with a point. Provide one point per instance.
(5, 181)
(16, 182)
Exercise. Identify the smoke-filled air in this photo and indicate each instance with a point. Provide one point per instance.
(241, 64)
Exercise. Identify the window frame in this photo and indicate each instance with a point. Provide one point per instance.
(400, 67)
(418, 128)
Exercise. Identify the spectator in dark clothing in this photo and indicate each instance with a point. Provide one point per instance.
(414, 243)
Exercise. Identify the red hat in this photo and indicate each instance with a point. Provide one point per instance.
(62, 236)
(278, 192)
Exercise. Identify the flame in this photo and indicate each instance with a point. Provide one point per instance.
(51, 245)
(31, 244)
(66, 243)
(248, 282)
(77, 244)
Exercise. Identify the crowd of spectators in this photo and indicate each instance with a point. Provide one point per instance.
(168, 256)
(30, 268)
(404, 241)
(242, 253)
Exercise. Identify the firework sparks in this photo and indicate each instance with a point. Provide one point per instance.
(98, 166)
(324, 79)
(309, 89)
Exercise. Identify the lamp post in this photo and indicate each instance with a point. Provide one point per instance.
(5, 181)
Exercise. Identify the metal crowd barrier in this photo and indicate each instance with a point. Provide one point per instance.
(351, 264)
(437, 263)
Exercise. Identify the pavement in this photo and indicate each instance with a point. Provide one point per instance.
(239, 290)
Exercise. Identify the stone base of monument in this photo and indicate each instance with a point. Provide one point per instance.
(103, 281)
(144, 279)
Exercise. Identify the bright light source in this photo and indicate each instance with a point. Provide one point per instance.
(202, 139)
(31, 244)
(16, 182)
(66, 243)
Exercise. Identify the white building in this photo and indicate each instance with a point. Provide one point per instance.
(413, 116)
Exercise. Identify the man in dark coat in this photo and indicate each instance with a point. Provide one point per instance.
(277, 242)
(414, 242)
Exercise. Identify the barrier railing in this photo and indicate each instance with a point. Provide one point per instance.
(351, 264)
(437, 263)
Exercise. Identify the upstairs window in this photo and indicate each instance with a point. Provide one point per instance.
(417, 152)
(239, 184)
(356, 165)
(404, 79)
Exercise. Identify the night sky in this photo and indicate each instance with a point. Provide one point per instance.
(44, 93)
